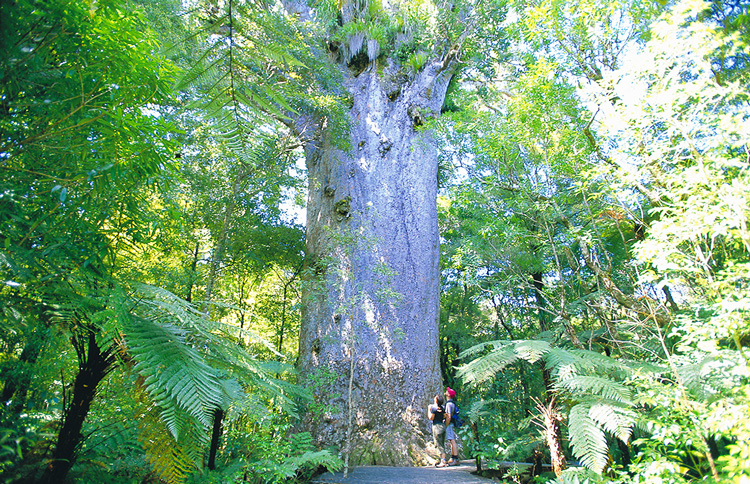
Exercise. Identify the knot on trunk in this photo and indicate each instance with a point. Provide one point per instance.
(342, 208)
(385, 146)
(415, 113)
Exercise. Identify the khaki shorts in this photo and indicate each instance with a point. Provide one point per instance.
(438, 436)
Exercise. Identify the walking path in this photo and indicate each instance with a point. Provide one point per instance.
(406, 475)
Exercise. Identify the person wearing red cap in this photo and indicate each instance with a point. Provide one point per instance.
(450, 432)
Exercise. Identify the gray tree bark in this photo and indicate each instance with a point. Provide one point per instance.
(371, 291)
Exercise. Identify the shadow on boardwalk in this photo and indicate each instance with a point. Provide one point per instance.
(406, 475)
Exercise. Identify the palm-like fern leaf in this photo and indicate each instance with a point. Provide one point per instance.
(564, 363)
(485, 367)
(595, 385)
(190, 366)
(502, 354)
(616, 419)
(172, 459)
(599, 362)
(591, 379)
(532, 350)
(587, 438)
(214, 345)
(175, 373)
(313, 460)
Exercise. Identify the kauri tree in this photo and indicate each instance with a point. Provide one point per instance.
(371, 290)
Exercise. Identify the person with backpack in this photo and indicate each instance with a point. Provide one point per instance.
(436, 414)
(452, 422)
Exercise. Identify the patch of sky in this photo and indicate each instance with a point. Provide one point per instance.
(293, 207)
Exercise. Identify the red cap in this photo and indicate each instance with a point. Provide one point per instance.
(450, 392)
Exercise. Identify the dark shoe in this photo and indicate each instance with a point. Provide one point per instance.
(453, 462)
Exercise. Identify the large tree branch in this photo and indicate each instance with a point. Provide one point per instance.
(657, 313)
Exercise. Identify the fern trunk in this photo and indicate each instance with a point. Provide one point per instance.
(371, 287)
(94, 364)
(551, 423)
(215, 438)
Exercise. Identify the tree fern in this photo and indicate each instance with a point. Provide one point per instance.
(590, 382)
(189, 366)
(587, 438)
(312, 460)
(488, 365)
(175, 374)
(173, 459)
(618, 420)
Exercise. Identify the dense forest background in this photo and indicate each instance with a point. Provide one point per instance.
(593, 209)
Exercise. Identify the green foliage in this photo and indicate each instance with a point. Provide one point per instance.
(696, 132)
(254, 65)
(89, 195)
(296, 459)
(270, 452)
(591, 384)
(320, 384)
(561, 227)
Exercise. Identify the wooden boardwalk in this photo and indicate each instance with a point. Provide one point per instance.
(413, 475)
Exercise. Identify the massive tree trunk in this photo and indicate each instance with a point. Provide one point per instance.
(372, 275)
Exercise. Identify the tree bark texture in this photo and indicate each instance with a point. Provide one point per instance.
(371, 287)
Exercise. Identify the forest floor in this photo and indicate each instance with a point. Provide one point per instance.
(407, 475)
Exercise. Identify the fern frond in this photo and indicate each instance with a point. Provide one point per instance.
(599, 362)
(172, 459)
(485, 367)
(120, 436)
(219, 350)
(588, 385)
(618, 420)
(205, 69)
(577, 475)
(313, 460)
(564, 363)
(691, 375)
(175, 373)
(503, 354)
(531, 350)
(587, 439)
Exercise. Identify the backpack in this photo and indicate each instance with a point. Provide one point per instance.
(456, 419)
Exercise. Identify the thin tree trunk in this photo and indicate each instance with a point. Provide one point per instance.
(477, 439)
(283, 309)
(550, 424)
(625, 452)
(218, 252)
(501, 320)
(215, 438)
(94, 364)
(193, 267)
(541, 302)
(670, 299)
